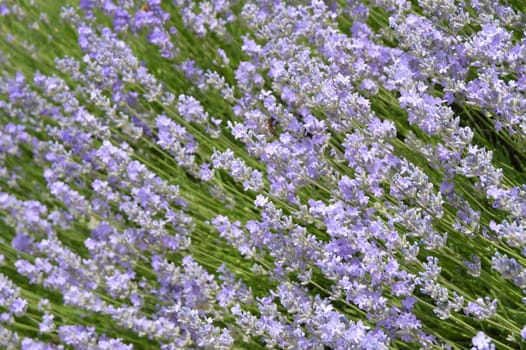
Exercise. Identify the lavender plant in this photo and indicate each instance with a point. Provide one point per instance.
(262, 174)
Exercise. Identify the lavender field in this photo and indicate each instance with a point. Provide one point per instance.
(262, 174)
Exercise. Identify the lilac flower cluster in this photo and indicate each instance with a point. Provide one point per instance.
(218, 175)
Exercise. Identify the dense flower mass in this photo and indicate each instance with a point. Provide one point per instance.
(262, 174)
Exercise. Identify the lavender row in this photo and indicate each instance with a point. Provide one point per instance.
(344, 225)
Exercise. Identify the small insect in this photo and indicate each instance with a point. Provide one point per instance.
(271, 124)
(146, 7)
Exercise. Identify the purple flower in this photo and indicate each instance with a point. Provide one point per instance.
(481, 309)
(482, 342)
